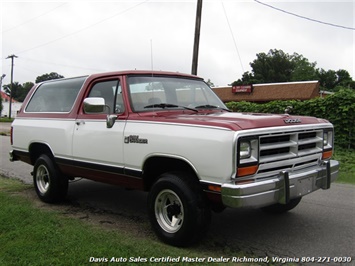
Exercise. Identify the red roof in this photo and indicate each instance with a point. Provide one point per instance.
(5, 97)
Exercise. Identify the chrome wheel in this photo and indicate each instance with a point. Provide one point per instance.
(42, 179)
(169, 211)
(49, 184)
(177, 209)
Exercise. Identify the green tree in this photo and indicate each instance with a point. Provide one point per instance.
(27, 86)
(247, 78)
(303, 70)
(334, 80)
(278, 66)
(19, 91)
(50, 76)
(16, 90)
(343, 77)
(275, 66)
(345, 80)
(327, 79)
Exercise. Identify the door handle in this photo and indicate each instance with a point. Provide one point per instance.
(78, 123)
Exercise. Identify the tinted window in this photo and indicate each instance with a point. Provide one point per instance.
(112, 93)
(55, 96)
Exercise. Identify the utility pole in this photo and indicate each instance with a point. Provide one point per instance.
(197, 37)
(1, 78)
(12, 80)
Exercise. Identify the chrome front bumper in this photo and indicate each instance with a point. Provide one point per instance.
(12, 157)
(281, 188)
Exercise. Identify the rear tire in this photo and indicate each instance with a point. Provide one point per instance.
(49, 184)
(177, 209)
(282, 208)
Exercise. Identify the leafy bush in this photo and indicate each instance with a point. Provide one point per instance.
(338, 108)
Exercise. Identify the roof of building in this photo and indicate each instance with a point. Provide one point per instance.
(303, 90)
(6, 97)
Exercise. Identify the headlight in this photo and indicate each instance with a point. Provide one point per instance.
(247, 156)
(327, 144)
(325, 138)
(244, 150)
(248, 149)
(328, 139)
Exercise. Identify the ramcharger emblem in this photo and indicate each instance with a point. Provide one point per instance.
(292, 121)
(135, 139)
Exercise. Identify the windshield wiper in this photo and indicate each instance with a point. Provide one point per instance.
(209, 106)
(169, 105)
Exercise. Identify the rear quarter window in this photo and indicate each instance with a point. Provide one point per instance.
(55, 96)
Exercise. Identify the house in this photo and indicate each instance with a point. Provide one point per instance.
(261, 93)
(6, 97)
(15, 107)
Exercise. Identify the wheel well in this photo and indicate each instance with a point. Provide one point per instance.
(37, 149)
(156, 166)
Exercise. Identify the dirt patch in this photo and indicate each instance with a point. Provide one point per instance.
(5, 128)
(104, 219)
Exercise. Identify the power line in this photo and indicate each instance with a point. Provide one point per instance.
(85, 28)
(303, 17)
(63, 65)
(34, 18)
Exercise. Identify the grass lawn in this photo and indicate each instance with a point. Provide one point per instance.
(347, 165)
(6, 120)
(33, 236)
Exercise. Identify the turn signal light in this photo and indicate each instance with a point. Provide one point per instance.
(249, 170)
(327, 154)
(215, 188)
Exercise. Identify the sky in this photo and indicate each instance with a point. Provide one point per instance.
(83, 37)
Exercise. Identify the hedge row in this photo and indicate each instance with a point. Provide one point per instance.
(338, 108)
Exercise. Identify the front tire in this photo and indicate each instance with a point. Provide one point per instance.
(177, 209)
(49, 184)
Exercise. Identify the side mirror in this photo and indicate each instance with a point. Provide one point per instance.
(110, 120)
(96, 105)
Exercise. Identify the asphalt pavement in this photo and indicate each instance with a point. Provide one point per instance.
(322, 225)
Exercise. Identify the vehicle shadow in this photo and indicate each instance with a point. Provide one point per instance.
(303, 231)
(250, 231)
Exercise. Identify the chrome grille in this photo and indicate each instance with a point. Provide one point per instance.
(289, 150)
(290, 145)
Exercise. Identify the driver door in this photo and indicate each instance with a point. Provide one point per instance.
(98, 150)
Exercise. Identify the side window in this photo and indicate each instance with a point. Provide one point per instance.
(119, 105)
(112, 93)
(55, 96)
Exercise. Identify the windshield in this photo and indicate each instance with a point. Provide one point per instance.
(150, 92)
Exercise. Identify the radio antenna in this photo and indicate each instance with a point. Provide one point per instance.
(151, 54)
